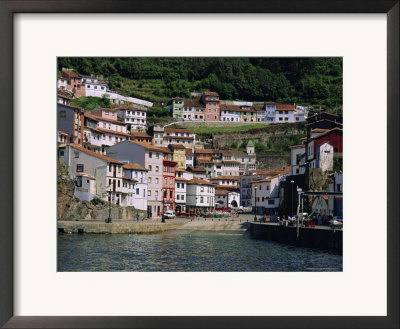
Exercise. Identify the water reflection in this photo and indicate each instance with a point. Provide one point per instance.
(186, 251)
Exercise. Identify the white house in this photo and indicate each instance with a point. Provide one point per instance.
(189, 157)
(62, 83)
(134, 116)
(265, 193)
(150, 157)
(100, 133)
(230, 168)
(298, 159)
(138, 174)
(106, 171)
(200, 195)
(226, 199)
(230, 113)
(227, 182)
(193, 110)
(179, 136)
(180, 193)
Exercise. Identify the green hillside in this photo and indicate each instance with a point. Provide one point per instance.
(307, 81)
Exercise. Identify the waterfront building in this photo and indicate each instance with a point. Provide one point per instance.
(101, 132)
(180, 194)
(230, 168)
(149, 156)
(226, 199)
(106, 171)
(200, 195)
(266, 194)
(137, 174)
(208, 165)
(179, 154)
(168, 176)
(134, 116)
(261, 115)
(182, 173)
(70, 120)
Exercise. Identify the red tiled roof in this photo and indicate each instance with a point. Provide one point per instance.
(210, 93)
(334, 130)
(177, 130)
(181, 179)
(188, 151)
(235, 178)
(177, 146)
(198, 181)
(140, 134)
(197, 169)
(98, 118)
(131, 107)
(193, 103)
(266, 180)
(134, 166)
(148, 146)
(94, 154)
(219, 191)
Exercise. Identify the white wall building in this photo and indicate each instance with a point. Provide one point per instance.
(106, 171)
(133, 116)
(200, 194)
(265, 193)
(298, 159)
(138, 174)
(180, 193)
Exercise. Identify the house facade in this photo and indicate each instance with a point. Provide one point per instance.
(139, 176)
(134, 116)
(200, 195)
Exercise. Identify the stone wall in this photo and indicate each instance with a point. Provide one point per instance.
(325, 239)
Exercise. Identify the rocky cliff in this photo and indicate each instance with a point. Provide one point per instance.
(69, 207)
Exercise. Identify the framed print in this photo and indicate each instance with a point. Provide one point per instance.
(190, 164)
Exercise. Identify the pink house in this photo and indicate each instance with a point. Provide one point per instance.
(106, 113)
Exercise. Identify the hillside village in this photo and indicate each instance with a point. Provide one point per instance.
(113, 155)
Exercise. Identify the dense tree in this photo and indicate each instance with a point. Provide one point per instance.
(301, 80)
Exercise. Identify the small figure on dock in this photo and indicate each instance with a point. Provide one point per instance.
(137, 217)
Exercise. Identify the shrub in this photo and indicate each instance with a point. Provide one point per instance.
(97, 201)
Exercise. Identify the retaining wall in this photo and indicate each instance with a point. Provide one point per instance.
(325, 239)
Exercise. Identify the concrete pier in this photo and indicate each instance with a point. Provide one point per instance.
(318, 238)
(118, 226)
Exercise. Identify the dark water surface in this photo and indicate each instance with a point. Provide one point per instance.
(186, 252)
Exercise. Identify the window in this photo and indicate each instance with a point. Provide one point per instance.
(157, 180)
(201, 199)
(156, 194)
(149, 180)
(150, 154)
(61, 153)
(76, 154)
(79, 168)
(157, 168)
(271, 202)
(182, 197)
(150, 168)
(63, 114)
(148, 193)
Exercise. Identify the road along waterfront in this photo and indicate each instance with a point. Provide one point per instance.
(197, 245)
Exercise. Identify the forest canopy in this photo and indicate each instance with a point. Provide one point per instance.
(307, 81)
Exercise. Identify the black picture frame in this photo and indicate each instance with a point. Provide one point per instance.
(7, 11)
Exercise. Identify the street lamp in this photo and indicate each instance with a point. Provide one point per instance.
(255, 203)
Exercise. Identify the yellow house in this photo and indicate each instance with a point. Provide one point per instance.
(179, 155)
(248, 114)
